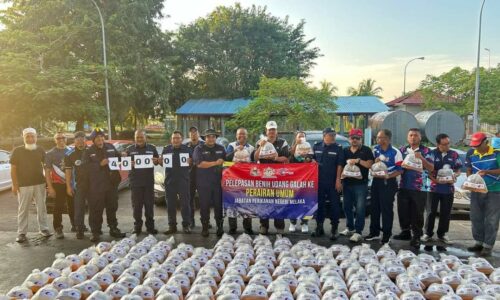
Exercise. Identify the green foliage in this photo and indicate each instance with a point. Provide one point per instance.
(289, 99)
(365, 88)
(454, 91)
(225, 53)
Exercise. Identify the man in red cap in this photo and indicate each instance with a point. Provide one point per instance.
(483, 160)
(355, 190)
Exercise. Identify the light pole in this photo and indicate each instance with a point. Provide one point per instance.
(404, 80)
(475, 120)
(489, 58)
(108, 110)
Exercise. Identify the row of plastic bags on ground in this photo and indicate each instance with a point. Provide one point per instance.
(257, 269)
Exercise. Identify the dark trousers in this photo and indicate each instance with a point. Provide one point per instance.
(143, 196)
(382, 192)
(445, 202)
(278, 223)
(233, 223)
(98, 201)
(63, 203)
(328, 192)
(79, 203)
(411, 206)
(192, 194)
(210, 195)
(174, 191)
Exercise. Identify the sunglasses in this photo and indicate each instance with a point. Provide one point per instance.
(355, 138)
(60, 138)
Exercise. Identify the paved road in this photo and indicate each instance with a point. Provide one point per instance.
(17, 261)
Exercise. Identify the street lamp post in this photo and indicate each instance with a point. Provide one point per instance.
(475, 121)
(404, 80)
(489, 58)
(108, 110)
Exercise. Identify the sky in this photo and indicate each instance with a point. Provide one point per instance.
(362, 39)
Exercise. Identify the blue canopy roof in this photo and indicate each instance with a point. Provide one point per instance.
(359, 105)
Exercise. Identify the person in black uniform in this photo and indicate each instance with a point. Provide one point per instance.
(103, 186)
(77, 182)
(209, 159)
(177, 159)
(194, 140)
(282, 154)
(142, 183)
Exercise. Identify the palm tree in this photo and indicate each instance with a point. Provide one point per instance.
(328, 87)
(365, 88)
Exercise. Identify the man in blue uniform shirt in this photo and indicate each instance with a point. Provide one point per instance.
(194, 140)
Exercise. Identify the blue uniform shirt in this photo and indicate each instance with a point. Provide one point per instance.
(179, 171)
(213, 175)
(328, 157)
(393, 158)
(449, 158)
(488, 161)
(141, 177)
(413, 180)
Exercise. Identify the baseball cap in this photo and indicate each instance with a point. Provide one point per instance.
(79, 134)
(477, 138)
(193, 128)
(356, 132)
(29, 130)
(329, 130)
(271, 125)
(96, 132)
(210, 131)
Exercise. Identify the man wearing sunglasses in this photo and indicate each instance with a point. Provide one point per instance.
(482, 159)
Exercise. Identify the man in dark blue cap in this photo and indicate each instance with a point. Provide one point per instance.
(330, 158)
(209, 159)
(103, 186)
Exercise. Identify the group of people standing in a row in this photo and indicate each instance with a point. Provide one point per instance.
(79, 174)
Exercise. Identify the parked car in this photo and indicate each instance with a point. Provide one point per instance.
(5, 181)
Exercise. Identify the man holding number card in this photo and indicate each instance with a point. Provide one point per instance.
(141, 176)
(176, 159)
(103, 185)
(194, 141)
(209, 159)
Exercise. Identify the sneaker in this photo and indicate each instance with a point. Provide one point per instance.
(486, 252)
(186, 229)
(445, 239)
(171, 230)
(292, 227)
(475, 248)
(305, 228)
(263, 230)
(348, 232)
(45, 233)
(116, 233)
(403, 236)
(426, 238)
(385, 240)
(372, 237)
(334, 235)
(21, 238)
(59, 234)
(356, 238)
(428, 248)
(152, 231)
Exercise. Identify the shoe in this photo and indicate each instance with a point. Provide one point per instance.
(45, 233)
(210, 226)
(191, 225)
(59, 234)
(186, 229)
(263, 230)
(137, 231)
(80, 235)
(249, 231)
(486, 252)
(372, 237)
(116, 233)
(280, 232)
(319, 231)
(403, 236)
(73, 229)
(428, 248)
(204, 231)
(21, 238)
(334, 235)
(171, 230)
(305, 228)
(232, 230)
(441, 249)
(348, 232)
(445, 239)
(152, 231)
(220, 231)
(415, 243)
(95, 237)
(292, 227)
(426, 238)
(385, 240)
(356, 238)
(475, 248)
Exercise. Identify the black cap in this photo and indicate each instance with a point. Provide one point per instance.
(329, 130)
(210, 131)
(79, 134)
(193, 128)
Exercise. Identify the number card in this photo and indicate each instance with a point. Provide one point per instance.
(143, 161)
(167, 160)
(113, 164)
(126, 163)
(184, 157)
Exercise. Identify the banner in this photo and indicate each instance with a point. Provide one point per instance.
(270, 191)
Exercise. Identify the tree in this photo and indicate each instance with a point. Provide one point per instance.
(328, 87)
(289, 99)
(454, 90)
(365, 88)
(227, 52)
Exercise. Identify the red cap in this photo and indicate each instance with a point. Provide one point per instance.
(477, 138)
(356, 132)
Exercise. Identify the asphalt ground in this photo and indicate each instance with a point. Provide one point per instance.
(18, 260)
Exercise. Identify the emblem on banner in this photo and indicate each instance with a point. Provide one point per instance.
(254, 172)
(269, 173)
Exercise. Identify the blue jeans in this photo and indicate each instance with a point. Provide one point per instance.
(484, 216)
(355, 198)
